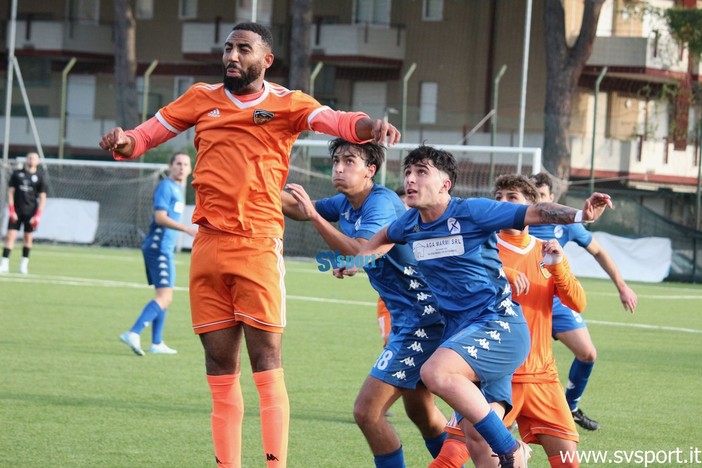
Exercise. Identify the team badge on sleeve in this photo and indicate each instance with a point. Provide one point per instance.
(261, 116)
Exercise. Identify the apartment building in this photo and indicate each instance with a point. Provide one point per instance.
(429, 66)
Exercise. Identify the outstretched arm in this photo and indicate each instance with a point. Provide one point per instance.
(374, 248)
(567, 287)
(306, 211)
(554, 213)
(626, 294)
(133, 143)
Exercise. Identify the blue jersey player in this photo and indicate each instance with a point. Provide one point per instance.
(158, 247)
(454, 242)
(361, 209)
(569, 326)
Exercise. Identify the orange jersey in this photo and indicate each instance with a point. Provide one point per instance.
(243, 153)
(522, 252)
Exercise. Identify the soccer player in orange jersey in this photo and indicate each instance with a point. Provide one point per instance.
(537, 270)
(245, 129)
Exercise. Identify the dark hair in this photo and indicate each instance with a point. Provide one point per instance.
(517, 182)
(175, 155)
(372, 153)
(542, 178)
(261, 30)
(442, 160)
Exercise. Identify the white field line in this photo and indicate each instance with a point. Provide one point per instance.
(75, 281)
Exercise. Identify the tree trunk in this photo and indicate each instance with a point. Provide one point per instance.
(564, 65)
(127, 110)
(299, 74)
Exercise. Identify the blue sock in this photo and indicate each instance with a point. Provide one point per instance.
(148, 314)
(157, 327)
(434, 445)
(500, 440)
(578, 377)
(394, 459)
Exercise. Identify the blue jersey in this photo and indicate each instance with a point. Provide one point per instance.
(395, 276)
(457, 254)
(563, 233)
(168, 197)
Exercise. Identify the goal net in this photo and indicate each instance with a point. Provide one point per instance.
(112, 200)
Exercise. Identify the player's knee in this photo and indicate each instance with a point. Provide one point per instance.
(364, 415)
(587, 354)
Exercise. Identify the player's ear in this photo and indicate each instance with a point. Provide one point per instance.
(372, 169)
(268, 60)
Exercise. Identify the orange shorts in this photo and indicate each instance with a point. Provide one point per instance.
(539, 408)
(235, 280)
(384, 321)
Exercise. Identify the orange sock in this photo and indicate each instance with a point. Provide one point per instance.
(454, 454)
(275, 415)
(227, 414)
(556, 461)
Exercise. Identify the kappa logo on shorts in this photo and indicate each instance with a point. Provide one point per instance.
(261, 116)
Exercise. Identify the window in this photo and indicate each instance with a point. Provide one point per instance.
(144, 9)
(264, 11)
(181, 84)
(187, 9)
(372, 11)
(84, 11)
(428, 100)
(433, 10)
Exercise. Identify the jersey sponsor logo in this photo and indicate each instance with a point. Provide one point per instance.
(261, 116)
(441, 247)
(454, 226)
(214, 113)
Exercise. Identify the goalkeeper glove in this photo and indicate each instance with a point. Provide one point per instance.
(35, 219)
(13, 214)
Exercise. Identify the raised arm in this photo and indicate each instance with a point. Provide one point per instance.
(626, 294)
(568, 288)
(131, 144)
(555, 213)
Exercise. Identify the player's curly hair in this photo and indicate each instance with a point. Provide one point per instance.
(542, 179)
(440, 159)
(372, 153)
(261, 30)
(517, 182)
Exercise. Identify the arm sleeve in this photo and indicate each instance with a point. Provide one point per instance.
(337, 123)
(328, 208)
(568, 288)
(578, 234)
(146, 136)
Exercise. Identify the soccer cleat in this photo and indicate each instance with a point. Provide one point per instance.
(24, 267)
(161, 348)
(583, 421)
(516, 459)
(4, 265)
(133, 341)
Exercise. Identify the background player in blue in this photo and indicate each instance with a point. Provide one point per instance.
(568, 326)
(158, 248)
(361, 209)
(26, 195)
(454, 242)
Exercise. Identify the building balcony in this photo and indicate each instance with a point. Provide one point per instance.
(205, 40)
(655, 58)
(360, 44)
(63, 38)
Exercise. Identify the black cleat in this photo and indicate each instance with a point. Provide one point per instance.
(583, 421)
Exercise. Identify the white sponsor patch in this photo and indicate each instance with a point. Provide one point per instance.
(438, 248)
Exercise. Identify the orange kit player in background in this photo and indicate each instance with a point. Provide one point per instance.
(537, 270)
(245, 129)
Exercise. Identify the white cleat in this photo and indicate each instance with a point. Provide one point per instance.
(161, 348)
(4, 266)
(133, 341)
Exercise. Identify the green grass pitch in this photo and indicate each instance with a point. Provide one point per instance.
(72, 395)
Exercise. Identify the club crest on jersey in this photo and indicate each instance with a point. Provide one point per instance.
(261, 116)
(453, 225)
(544, 271)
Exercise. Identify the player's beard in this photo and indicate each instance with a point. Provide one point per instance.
(234, 84)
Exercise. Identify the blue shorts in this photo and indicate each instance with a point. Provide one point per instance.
(565, 319)
(407, 350)
(494, 349)
(160, 268)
